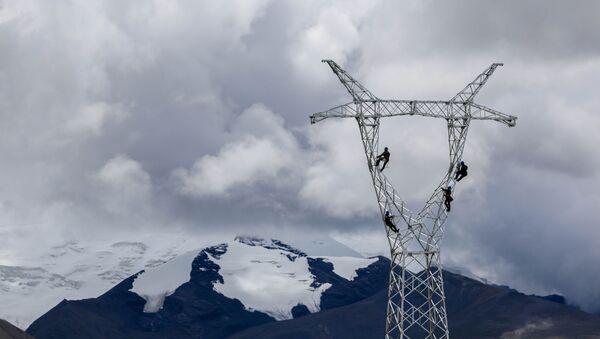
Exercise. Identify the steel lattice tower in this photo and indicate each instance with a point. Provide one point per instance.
(416, 303)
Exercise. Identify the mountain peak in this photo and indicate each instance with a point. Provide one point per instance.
(268, 244)
(265, 274)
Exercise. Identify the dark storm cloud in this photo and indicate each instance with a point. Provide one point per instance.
(194, 116)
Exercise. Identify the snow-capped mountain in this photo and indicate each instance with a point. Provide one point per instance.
(266, 275)
(218, 290)
(264, 288)
(31, 285)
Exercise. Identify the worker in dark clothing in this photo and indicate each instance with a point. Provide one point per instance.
(447, 197)
(389, 221)
(461, 171)
(385, 156)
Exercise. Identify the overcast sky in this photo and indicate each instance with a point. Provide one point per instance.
(192, 117)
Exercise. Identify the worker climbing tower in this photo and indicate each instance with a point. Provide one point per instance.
(416, 303)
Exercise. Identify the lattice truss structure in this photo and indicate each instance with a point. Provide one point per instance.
(416, 304)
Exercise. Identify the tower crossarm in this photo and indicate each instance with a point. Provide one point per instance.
(480, 112)
(436, 109)
(428, 108)
(385, 108)
(348, 110)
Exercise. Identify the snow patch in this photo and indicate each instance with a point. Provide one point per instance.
(322, 246)
(155, 284)
(269, 280)
(346, 267)
(272, 244)
(32, 282)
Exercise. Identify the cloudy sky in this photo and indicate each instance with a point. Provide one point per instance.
(192, 117)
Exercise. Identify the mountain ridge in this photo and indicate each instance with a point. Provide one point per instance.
(197, 308)
(475, 311)
(235, 290)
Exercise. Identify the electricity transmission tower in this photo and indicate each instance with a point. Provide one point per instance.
(416, 303)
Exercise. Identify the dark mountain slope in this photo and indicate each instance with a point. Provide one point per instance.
(364, 319)
(475, 310)
(9, 331)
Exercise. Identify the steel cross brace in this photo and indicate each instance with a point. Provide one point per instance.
(416, 303)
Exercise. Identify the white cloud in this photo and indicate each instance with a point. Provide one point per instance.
(93, 117)
(261, 151)
(337, 180)
(123, 184)
(335, 35)
(528, 330)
